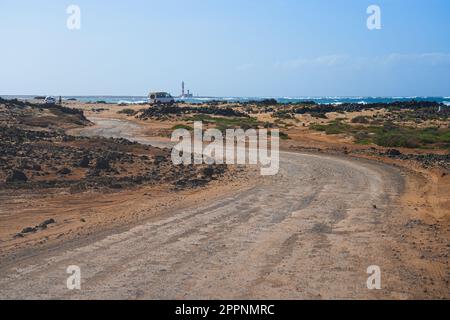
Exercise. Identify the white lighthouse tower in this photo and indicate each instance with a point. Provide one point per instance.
(183, 93)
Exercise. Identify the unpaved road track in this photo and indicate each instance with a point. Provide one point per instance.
(309, 232)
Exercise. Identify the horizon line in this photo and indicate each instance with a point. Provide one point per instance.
(263, 97)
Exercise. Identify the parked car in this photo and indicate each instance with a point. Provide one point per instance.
(160, 97)
(49, 100)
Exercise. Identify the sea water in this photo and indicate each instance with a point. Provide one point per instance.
(319, 100)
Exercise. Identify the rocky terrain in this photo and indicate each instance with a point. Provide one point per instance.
(413, 130)
(57, 186)
(35, 152)
(308, 233)
(161, 112)
(138, 228)
(39, 116)
(31, 159)
(421, 110)
(426, 160)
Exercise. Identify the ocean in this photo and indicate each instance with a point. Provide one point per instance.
(319, 100)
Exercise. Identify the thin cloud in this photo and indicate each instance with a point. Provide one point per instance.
(434, 59)
(321, 61)
(427, 59)
(245, 67)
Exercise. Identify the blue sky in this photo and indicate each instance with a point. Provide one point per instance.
(226, 48)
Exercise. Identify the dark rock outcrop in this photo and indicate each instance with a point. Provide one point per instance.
(16, 176)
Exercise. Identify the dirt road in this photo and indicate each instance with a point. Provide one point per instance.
(309, 232)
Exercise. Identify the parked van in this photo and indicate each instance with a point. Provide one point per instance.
(160, 97)
(50, 100)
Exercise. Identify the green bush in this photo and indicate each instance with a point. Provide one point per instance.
(223, 123)
(283, 114)
(396, 139)
(319, 115)
(361, 119)
(334, 127)
(284, 136)
(390, 135)
(128, 112)
(182, 126)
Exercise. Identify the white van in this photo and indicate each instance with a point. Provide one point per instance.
(160, 97)
(49, 100)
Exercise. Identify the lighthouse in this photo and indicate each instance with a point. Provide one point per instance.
(183, 93)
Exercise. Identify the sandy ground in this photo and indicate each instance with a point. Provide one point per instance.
(83, 216)
(309, 232)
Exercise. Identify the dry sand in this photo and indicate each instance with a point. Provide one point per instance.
(309, 232)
